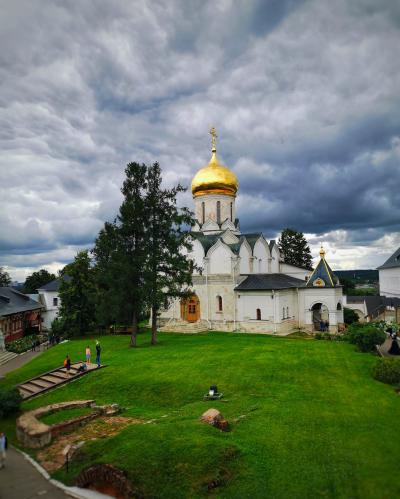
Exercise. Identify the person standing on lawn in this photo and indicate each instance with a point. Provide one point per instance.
(88, 354)
(3, 448)
(67, 364)
(98, 351)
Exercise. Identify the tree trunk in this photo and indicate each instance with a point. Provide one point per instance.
(154, 311)
(134, 329)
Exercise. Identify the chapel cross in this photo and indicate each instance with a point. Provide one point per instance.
(213, 134)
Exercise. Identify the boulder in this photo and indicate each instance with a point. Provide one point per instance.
(214, 418)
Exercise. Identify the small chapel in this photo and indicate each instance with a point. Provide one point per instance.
(241, 281)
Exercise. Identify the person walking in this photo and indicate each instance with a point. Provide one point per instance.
(67, 364)
(98, 351)
(3, 449)
(88, 354)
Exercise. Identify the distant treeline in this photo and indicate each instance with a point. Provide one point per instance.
(359, 275)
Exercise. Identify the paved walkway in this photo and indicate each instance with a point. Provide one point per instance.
(20, 480)
(17, 362)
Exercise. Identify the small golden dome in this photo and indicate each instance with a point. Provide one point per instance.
(214, 178)
(322, 252)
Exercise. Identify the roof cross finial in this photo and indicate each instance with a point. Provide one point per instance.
(322, 252)
(213, 134)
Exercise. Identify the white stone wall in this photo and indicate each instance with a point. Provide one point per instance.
(220, 259)
(293, 271)
(275, 260)
(210, 205)
(51, 311)
(389, 282)
(261, 257)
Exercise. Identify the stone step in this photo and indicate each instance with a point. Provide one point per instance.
(30, 387)
(41, 383)
(24, 392)
(7, 356)
(52, 378)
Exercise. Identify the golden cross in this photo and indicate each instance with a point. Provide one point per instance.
(213, 134)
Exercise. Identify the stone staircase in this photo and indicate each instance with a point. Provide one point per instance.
(52, 379)
(180, 326)
(6, 356)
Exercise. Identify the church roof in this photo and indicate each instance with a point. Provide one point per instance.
(323, 275)
(257, 282)
(392, 262)
(252, 238)
(55, 284)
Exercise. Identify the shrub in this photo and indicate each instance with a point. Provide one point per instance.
(365, 336)
(349, 316)
(23, 344)
(10, 400)
(387, 371)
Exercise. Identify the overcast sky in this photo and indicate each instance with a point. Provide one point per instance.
(305, 97)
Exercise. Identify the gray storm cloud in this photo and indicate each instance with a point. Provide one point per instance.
(304, 96)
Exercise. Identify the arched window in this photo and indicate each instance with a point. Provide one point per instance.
(339, 306)
(283, 313)
(219, 303)
(219, 212)
(258, 313)
(231, 212)
(287, 312)
(203, 211)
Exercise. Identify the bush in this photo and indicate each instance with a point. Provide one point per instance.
(365, 336)
(10, 400)
(23, 344)
(387, 371)
(349, 316)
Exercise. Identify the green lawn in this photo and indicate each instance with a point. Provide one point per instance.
(65, 415)
(307, 418)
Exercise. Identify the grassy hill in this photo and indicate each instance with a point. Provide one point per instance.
(307, 419)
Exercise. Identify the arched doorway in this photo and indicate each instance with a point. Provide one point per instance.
(320, 313)
(190, 309)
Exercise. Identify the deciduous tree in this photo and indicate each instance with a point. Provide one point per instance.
(36, 280)
(5, 279)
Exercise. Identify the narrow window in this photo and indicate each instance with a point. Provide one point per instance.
(203, 211)
(55, 302)
(219, 303)
(287, 312)
(283, 313)
(231, 212)
(258, 314)
(218, 212)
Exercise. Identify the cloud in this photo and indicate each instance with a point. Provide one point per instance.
(304, 96)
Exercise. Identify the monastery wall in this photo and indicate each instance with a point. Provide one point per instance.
(389, 282)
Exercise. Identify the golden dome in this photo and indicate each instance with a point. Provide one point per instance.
(214, 178)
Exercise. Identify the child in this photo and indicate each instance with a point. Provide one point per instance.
(88, 354)
(67, 364)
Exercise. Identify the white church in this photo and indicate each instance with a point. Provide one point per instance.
(242, 283)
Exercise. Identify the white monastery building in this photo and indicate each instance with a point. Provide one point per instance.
(242, 283)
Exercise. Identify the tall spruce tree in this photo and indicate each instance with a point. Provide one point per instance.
(294, 247)
(168, 271)
(77, 296)
(121, 253)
